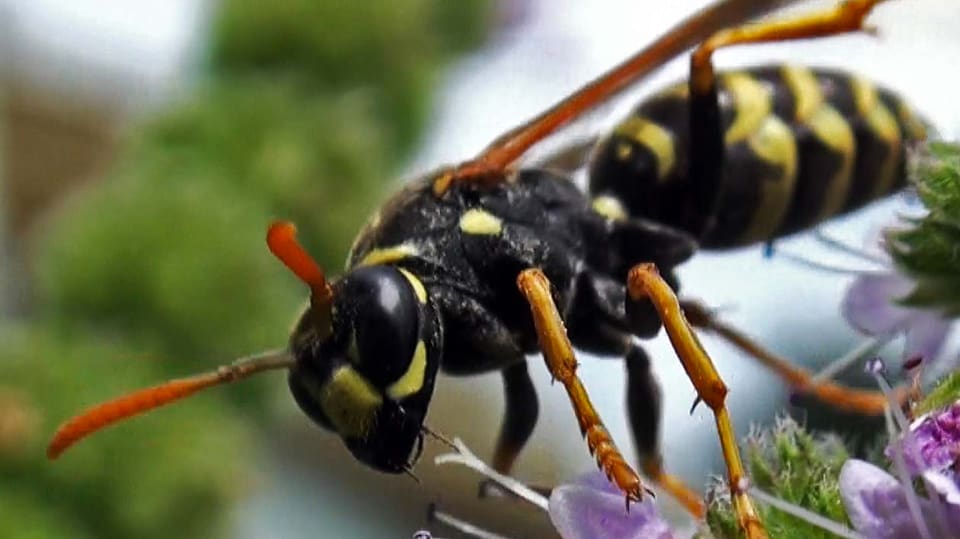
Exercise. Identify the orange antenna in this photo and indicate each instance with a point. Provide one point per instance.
(103, 415)
(282, 241)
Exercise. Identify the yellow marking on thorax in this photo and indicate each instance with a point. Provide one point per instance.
(388, 255)
(752, 105)
(412, 380)
(652, 136)
(807, 95)
(418, 289)
(774, 143)
(350, 402)
(609, 207)
(831, 128)
(480, 222)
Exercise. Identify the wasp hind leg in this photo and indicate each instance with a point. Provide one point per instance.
(848, 16)
(707, 138)
(800, 380)
(644, 283)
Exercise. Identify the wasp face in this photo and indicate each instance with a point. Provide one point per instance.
(371, 379)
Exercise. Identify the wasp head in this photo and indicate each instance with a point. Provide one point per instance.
(367, 352)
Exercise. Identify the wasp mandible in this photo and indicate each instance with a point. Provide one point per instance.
(473, 267)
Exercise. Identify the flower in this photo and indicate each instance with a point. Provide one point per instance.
(933, 442)
(879, 506)
(873, 305)
(591, 507)
(918, 291)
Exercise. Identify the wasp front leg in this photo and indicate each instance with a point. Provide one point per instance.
(562, 363)
(645, 283)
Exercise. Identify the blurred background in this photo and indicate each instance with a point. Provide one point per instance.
(145, 147)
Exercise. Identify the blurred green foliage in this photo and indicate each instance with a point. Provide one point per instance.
(145, 482)
(928, 250)
(304, 112)
(392, 48)
(945, 393)
(793, 465)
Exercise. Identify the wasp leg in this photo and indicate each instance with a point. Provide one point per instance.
(644, 411)
(519, 418)
(801, 380)
(707, 139)
(492, 163)
(562, 362)
(846, 17)
(599, 324)
(644, 283)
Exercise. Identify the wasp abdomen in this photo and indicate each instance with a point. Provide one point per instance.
(800, 146)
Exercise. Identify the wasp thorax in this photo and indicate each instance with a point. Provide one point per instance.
(369, 380)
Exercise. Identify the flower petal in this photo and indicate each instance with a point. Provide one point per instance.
(926, 336)
(584, 511)
(875, 502)
(931, 443)
(869, 304)
(945, 484)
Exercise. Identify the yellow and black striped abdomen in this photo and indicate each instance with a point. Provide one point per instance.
(800, 146)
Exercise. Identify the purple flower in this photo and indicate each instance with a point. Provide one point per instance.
(933, 443)
(591, 507)
(877, 504)
(872, 306)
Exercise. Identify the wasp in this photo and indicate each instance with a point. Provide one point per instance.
(473, 267)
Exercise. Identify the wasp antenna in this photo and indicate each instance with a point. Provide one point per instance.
(282, 240)
(105, 414)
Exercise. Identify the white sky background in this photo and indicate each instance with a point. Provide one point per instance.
(131, 53)
(113, 53)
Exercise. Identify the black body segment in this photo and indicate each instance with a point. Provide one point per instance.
(466, 248)
(799, 146)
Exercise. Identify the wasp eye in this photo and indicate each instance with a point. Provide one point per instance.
(384, 311)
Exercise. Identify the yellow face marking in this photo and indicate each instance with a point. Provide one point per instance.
(480, 222)
(654, 137)
(805, 89)
(609, 207)
(388, 255)
(832, 129)
(624, 151)
(773, 143)
(752, 104)
(412, 380)
(350, 402)
(416, 284)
